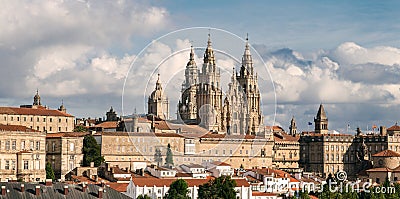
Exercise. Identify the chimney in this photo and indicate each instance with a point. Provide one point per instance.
(84, 187)
(37, 190)
(3, 190)
(49, 182)
(22, 188)
(66, 190)
(100, 195)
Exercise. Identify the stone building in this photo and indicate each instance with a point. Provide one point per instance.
(326, 152)
(64, 152)
(286, 152)
(202, 100)
(38, 117)
(248, 151)
(22, 152)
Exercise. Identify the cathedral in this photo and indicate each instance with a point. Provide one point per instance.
(202, 101)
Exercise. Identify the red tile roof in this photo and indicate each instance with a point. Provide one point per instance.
(217, 163)
(281, 137)
(67, 134)
(263, 194)
(160, 182)
(386, 153)
(16, 128)
(120, 187)
(107, 125)
(32, 111)
(161, 125)
(394, 128)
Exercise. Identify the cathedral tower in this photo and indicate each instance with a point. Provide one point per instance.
(187, 107)
(249, 83)
(321, 121)
(209, 94)
(158, 104)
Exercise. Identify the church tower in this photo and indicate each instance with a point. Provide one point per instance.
(249, 83)
(293, 127)
(62, 107)
(187, 107)
(36, 99)
(321, 121)
(157, 103)
(209, 93)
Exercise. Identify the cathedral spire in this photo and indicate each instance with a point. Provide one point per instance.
(158, 83)
(209, 53)
(247, 60)
(191, 58)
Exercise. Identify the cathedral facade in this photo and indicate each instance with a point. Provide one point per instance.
(202, 100)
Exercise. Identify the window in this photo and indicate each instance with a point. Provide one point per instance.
(7, 145)
(44, 119)
(26, 165)
(327, 157)
(53, 146)
(14, 145)
(51, 119)
(23, 145)
(24, 119)
(37, 119)
(17, 118)
(31, 119)
(342, 148)
(59, 120)
(327, 148)
(13, 165)
(332, 148)
(44, 128)
(71, 146)
(7, 166)
(59, 128)
(37, 145)
(31, 146)
(12, 118)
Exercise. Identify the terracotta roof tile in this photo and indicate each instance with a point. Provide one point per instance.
(107, 125)
(263, 194)
(386, 153)
(285, 137)
(162, 125)
(66, 134)
(120, 187)
(16, 128)
(32, 111)
(394, 128)
(160, 182)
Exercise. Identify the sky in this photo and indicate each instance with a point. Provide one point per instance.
(91, 54)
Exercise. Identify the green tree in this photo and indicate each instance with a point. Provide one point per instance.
(91, 151)
(143, 197)
(80, 129)
(158, 157)
(50, 172)
(178, 190)
(221, 187)
(169, 160)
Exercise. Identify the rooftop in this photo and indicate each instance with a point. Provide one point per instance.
(386, 153)
(16, 128)
(32, 111)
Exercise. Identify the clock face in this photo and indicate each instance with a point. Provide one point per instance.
(380, 162)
